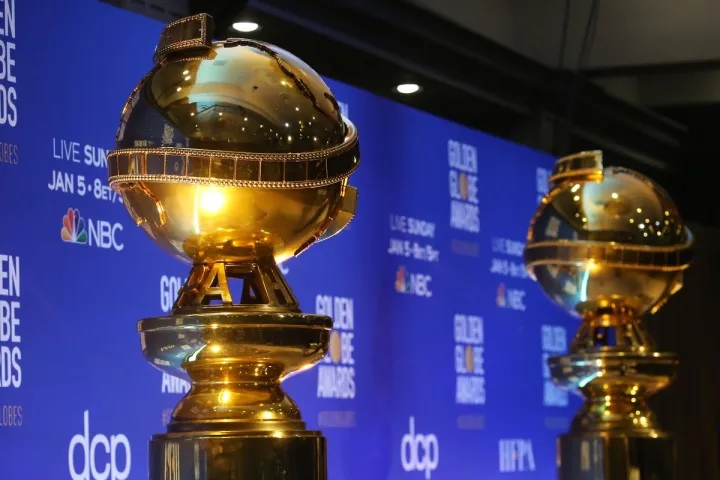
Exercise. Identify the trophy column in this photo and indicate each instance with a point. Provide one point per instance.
(615, 435)
(609, 246)
(236, 421)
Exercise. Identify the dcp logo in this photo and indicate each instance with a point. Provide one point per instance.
(419, 452)
(91, 466)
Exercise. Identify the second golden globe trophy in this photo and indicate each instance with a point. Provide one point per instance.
(233, 156)
(609, 246)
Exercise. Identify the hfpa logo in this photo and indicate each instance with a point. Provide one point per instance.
(93, 450)
(418, 452)
(516, 455)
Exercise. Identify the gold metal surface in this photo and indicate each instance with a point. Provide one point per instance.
(233, 156)
(609, 246)
(208, 223)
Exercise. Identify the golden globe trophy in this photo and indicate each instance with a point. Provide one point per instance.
(609, 246)
(233, 156)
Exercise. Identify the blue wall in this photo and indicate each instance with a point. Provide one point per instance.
(444, 335)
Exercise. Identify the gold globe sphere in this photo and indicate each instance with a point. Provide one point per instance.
(234, 152)
(606, 239)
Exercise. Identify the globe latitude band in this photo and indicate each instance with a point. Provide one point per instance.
(667, 259)
(237, 169)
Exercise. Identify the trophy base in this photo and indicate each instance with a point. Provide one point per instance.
(616, 457)
(286, 455)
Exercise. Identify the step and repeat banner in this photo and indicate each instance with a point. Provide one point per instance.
(437, 369)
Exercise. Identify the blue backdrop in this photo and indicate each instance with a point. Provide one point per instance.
(443, 336)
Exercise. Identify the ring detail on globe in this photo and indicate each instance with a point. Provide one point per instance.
(239, 169)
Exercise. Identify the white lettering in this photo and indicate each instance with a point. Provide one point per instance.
(553, 342)
(95, 156)
(412, 226)
(62, 182)
(419, 452)
(8, 94)
(336, 381)
(9, 276)
(343, 317)
(173, 384)
(12, 416)
(553, 396)
(8, 109)
(462, 157)
(336, 375)
(554, 339)
(10, 355)
(104, 234)
(169, 288)
(464, 216)
(90, 457)
(8, 16)
(469, 360)
(516, 455)
(468, 329)
(542, 176)
(7, 61)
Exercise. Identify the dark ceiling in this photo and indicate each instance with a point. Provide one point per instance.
(467, 78)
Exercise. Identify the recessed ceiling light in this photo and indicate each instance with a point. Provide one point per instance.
(245, 27)
(408, 88)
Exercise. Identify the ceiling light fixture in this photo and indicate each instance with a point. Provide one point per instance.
(245, 27)
(408, 88)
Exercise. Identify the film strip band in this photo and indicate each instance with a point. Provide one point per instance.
(216, 167)
(668, 259)
(189, 33)
(583, 166)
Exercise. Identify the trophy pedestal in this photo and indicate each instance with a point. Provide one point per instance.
(297, 455)
(617, 457)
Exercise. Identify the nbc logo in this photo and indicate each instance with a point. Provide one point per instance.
(100, 233)
(501, 295)
(511, 298)
(412, 283)
(73, 230)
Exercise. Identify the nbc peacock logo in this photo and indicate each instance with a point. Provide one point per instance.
(501, 295)
(400, 285)
(412, 283)
(73, 230)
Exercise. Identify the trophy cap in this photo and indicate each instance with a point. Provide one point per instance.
(238, 96)
(606, 238)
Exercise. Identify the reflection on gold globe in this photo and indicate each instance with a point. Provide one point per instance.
(233, 154)
(606, 239)
(237, 224)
